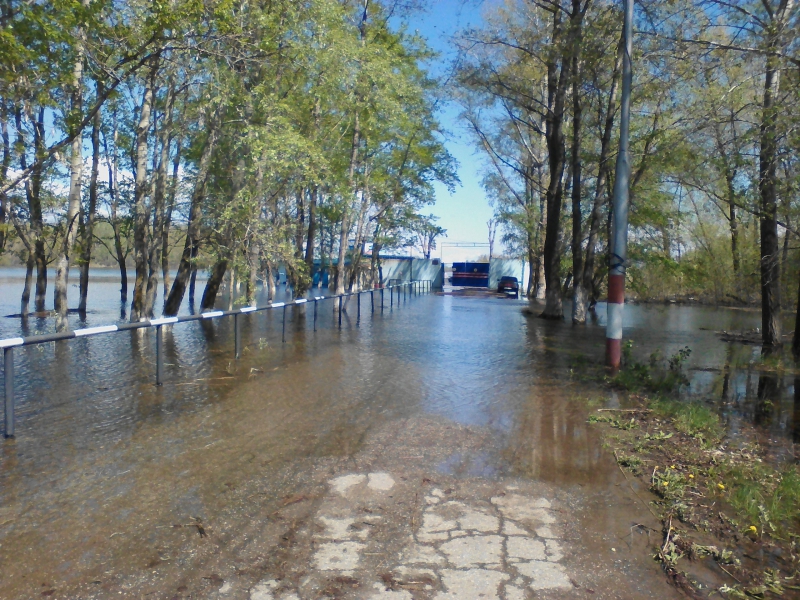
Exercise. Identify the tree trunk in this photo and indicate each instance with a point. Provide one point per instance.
(26, 290)
(767, 170)
(344, 232)
(76, 173)
(33, 189)
(4, 166)
(111, 162)
(556, 151)
(579, 296)
(192, 283)
(733, 223)
(331, 270)
(552, 259)
(270, 282)
(345, 229)
(176, 161)
(310, 237)
(530, 290)
(141, 210)
(253, 259)
(159, 207)
(355, 261)
(191, 244)
(121, 261)
(796, 340)
(232, 287)
(376, 250)
(212, 286)
(88, 225)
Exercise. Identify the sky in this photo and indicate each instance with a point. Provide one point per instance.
(464, 213)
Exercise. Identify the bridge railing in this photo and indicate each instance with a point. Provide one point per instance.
(403, 291)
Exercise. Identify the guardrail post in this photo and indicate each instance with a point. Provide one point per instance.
(237, 337)
(315, 314)
(8, 360)
(159, 354)
(283, 328)
(340, 312)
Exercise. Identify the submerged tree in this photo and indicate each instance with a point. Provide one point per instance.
(229, 130)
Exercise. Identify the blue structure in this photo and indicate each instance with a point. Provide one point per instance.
(471, 274)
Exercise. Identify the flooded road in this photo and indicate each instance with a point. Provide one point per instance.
(213, 485)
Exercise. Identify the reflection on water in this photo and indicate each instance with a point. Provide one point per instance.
(477, 361)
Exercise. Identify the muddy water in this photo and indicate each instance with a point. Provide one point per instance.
(101, 491)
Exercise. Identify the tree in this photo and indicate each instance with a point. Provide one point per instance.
(425, 231)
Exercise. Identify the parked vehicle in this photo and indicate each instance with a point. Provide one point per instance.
(508, 286)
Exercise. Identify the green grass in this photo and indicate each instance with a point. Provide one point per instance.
(693, 419)
(768, 499)
(679, 445)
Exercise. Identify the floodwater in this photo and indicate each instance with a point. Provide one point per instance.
(102, 486)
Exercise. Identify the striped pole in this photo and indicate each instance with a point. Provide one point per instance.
(619, 237)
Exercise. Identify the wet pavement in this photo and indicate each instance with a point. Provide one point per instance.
(436, 450)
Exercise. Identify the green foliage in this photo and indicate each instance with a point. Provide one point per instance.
(323, 126)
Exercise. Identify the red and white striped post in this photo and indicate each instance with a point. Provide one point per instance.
(619, 236)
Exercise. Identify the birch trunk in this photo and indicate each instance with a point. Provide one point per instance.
(76, 173)
(141, 210)
(88, 225)
(33, 188)
(253, 259)
(176, 161)
(159, 207)
(4, 166)
(579, 295)
(272, 289)
(344, 232)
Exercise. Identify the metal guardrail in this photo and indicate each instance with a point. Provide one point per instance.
(406, 289)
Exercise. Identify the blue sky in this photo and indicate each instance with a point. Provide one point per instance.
(464, 214)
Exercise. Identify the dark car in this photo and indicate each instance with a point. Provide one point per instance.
(508, 286)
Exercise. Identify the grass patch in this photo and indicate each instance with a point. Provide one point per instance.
(691, 418)
(764, 498)
(717, 502)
